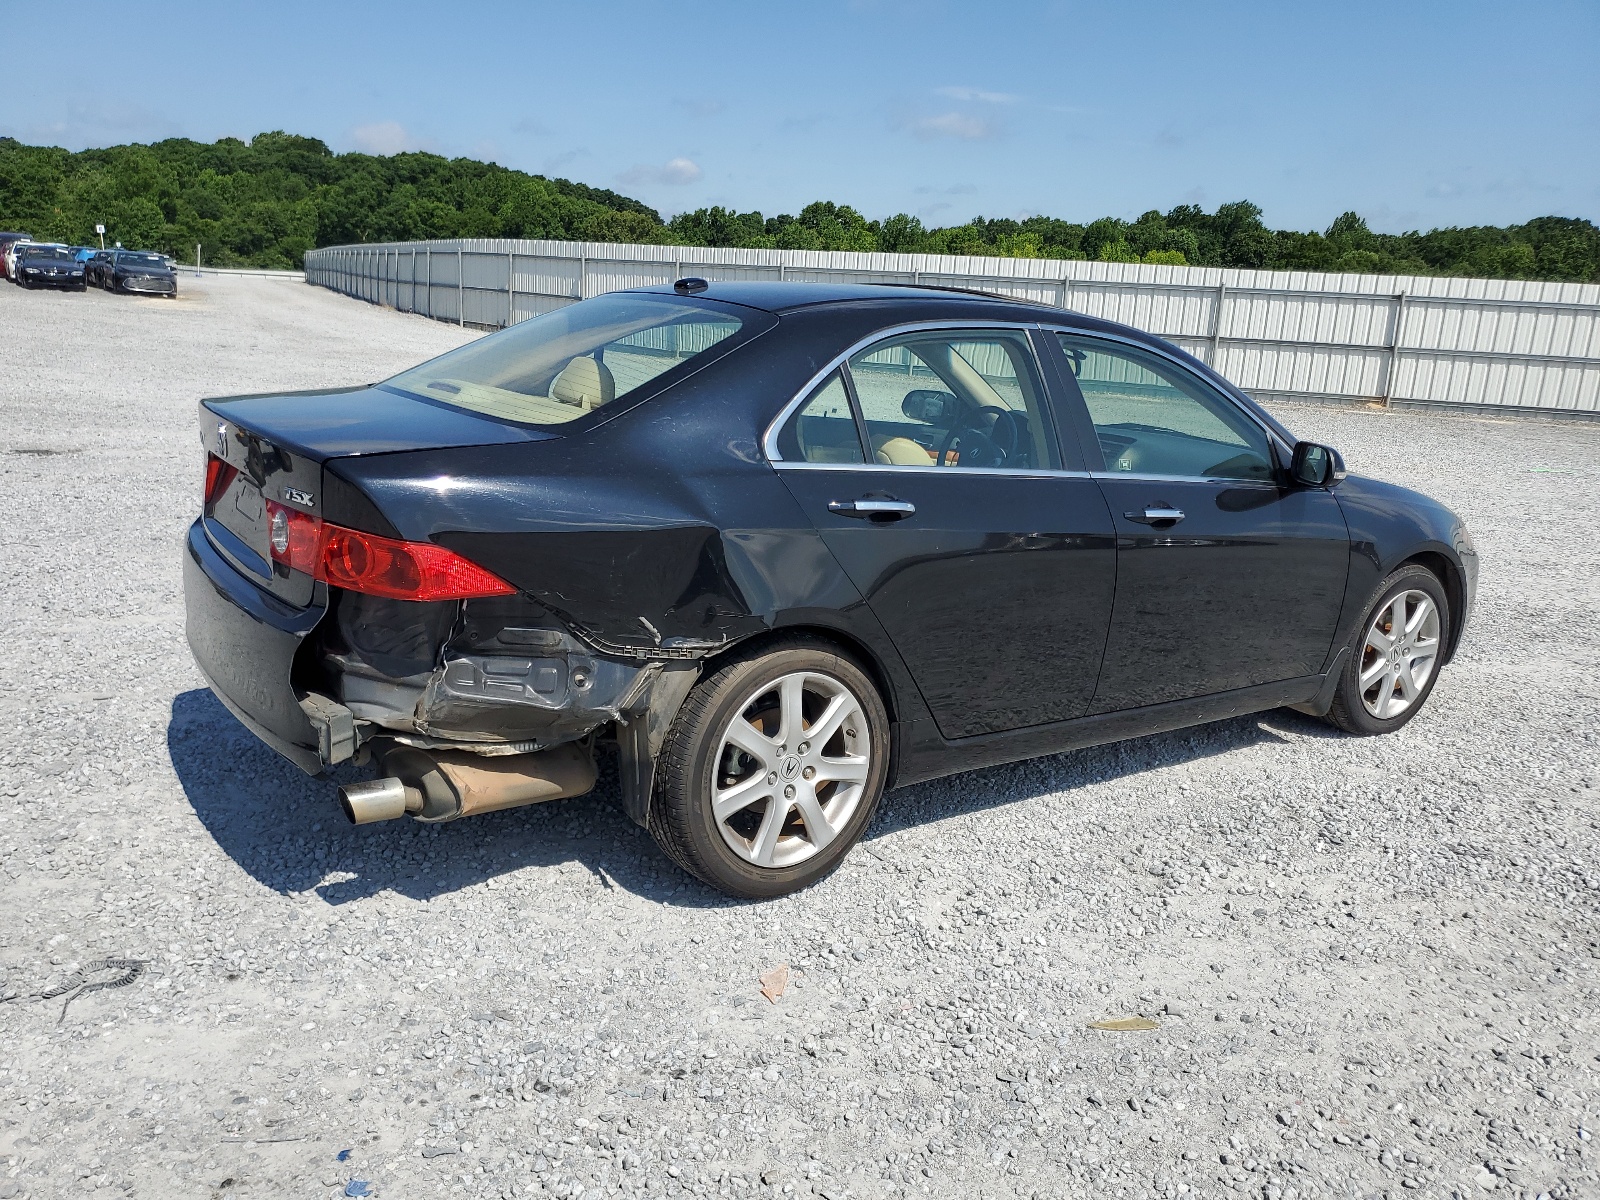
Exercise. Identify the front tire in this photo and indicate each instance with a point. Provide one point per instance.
(1395, 654)
(772, 770)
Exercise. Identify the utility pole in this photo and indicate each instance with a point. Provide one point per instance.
(197, 254)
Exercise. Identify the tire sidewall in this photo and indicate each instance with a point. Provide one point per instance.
(713, 860)
(1356, 716)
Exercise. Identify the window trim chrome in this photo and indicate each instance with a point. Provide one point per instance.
(1273, 437)
(769, 440)
(942, 472)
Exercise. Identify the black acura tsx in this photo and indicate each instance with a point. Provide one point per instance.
(780, 547)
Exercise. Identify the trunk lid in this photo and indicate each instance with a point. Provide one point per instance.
(274, 447)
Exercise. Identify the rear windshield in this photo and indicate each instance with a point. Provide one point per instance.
(565, 364)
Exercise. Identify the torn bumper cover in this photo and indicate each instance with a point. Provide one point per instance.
(494, 677)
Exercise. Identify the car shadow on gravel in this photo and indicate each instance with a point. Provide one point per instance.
(974, 791)
(286, 831)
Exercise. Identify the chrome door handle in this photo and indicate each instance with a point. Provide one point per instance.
(1156, 514)
(875, 510)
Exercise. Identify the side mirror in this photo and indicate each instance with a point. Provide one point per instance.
(1314, 465)
(931, 406)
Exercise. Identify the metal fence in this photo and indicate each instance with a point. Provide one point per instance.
(1399, 340)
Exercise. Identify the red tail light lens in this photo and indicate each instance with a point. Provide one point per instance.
(219, 475)
(377, 566)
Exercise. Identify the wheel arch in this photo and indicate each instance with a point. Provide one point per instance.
(854, 646)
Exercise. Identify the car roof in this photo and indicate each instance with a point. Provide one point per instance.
(780, 297)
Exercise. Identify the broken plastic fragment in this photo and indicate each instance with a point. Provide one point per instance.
(1125, 1024)
(775, 981)
(358, 1187)
(343, 1154)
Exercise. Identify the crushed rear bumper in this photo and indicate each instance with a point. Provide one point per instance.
(244, 641)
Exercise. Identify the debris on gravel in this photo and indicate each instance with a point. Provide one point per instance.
(1361, 967)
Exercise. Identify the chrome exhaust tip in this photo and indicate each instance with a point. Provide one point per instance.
(378, 800)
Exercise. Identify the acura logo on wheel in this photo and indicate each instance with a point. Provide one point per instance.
(790, 768)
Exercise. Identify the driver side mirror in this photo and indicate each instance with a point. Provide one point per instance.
(1315, 465)
(931, 406)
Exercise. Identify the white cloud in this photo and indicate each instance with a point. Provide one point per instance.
(383, 137)
(953, 125)
(978, 95)
(675, 172)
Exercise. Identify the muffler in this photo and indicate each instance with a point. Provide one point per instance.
(441, 785)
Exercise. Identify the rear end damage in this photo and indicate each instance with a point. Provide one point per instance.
(335, 640)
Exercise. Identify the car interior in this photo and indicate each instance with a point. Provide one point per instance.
(928, 402)
(1151, 419)
(567, 373)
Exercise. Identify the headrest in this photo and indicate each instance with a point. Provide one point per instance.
(584, 382)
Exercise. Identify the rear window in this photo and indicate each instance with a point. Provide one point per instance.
(565, 364)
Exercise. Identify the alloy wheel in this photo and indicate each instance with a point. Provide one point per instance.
(1399, 654)
(791, 769)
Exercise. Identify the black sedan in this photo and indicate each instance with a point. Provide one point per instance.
(783, 546)
(134, 271)
(50, 267)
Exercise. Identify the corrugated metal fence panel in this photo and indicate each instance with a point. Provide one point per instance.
(1489, 342)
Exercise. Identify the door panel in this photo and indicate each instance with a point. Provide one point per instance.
(1245, 589)
(1226, 578)
(997, 589)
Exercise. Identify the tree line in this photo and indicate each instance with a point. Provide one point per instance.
(265, 202)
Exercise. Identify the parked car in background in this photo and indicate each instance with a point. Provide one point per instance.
(95, 265)
(7, 240)
(784, 546)
(84, 253)
(40, 265)
(10, 258)
(137, 271)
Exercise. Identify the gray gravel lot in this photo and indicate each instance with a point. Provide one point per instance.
(1373, 962)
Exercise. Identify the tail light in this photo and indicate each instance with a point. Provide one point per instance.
(219, 475)
(377, 566)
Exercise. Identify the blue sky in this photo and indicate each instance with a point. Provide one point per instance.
(1413, 114)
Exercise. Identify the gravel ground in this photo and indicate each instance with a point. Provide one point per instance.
(1373, 963)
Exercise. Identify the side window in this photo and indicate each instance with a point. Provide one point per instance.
(824, 429)
(961, 398)
(1154, 418)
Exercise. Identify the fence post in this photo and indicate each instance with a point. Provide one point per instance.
(1216, 327)
(429, 265)
(1394, 349)
(461, 288)
(511, 287)
(583, 277)
(1066, 292)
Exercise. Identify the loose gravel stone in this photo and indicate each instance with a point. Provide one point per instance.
(1372, 962)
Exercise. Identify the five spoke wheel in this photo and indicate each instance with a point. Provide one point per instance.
(791, 769)
(1399, 654)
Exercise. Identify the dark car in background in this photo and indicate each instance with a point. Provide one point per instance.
(39, 265)
(781, 546)
(142, 272)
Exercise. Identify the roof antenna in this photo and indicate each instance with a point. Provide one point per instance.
(692, 284)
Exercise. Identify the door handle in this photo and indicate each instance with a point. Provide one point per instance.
(874, 510)
(1156, 514)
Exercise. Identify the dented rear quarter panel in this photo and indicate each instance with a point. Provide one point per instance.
(664, 528)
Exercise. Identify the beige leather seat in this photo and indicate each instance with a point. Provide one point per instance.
(903, 452)
(585, 383)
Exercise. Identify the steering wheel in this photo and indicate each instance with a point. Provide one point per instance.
(989, 447)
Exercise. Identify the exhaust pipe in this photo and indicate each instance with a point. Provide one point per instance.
(441, 785)
(378, 800)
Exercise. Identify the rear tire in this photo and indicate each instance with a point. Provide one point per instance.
(772, 770)
(1395, 654)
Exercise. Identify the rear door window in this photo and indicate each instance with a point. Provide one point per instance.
(953, 398)
(824, 428)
